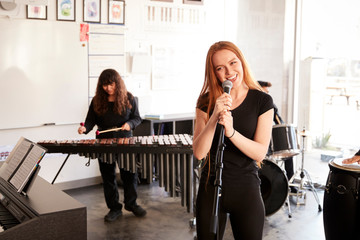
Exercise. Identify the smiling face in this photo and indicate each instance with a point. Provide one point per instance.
(227, 66)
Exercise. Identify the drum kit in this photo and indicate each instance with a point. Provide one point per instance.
(275, 186)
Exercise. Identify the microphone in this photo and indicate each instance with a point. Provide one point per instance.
(227, 85)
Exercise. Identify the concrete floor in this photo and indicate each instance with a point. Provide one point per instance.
(167, 219)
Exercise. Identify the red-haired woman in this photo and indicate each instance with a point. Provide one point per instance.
(246, 114)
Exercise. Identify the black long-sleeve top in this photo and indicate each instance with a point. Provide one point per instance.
(113, 120)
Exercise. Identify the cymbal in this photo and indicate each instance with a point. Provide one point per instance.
(304, 133)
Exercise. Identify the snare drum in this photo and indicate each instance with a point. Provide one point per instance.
(284, 142)
(341, 201)
(274, 186)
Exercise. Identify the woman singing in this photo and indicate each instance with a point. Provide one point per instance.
(246, 115)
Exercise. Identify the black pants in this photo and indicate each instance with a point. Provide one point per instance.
(111, 192)
(243, 204)
(289, 167)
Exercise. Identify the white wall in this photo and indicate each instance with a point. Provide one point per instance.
(187, 44)
(261, 38)
(256, 26)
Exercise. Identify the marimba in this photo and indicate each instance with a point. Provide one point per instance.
(168, 158)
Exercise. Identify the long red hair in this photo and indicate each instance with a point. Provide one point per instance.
(212, 87)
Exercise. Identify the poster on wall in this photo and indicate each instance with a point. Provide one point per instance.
(200, 2)
(65, 10)
(116, 12)
(36, 12)
(92, 11)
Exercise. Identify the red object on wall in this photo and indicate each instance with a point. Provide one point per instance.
(84, 30)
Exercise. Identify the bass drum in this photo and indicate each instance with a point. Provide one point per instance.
(274, 186)
(341, 201)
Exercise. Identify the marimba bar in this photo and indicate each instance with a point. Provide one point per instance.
(167, 158)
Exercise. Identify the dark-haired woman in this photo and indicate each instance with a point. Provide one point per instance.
(246, 114)
(113, 107)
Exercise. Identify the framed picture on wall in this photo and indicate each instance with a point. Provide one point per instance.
(36, 12)
(116, 11)
(92, 10)
(65, 10)
(200, 2)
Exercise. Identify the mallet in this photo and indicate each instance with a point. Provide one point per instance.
(109, 130)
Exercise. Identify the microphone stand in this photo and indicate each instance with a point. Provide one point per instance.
(214, 222)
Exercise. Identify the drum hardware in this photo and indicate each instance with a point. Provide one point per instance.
(302, 172)
(304, 133)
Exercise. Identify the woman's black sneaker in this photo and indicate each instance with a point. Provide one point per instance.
(136, 210)
(113, 215)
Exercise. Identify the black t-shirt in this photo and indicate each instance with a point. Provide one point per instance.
(113, 120)
(239, 168)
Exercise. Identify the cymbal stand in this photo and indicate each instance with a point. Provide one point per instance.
(302, 172)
